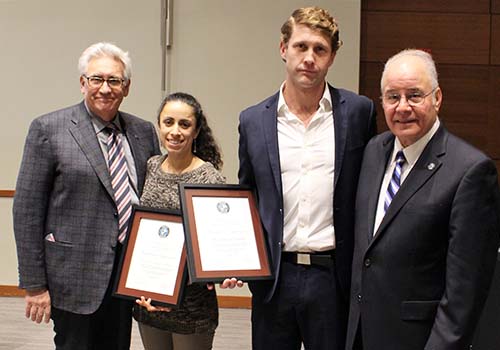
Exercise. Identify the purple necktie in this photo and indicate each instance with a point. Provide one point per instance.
(119, 181)
(395, 182)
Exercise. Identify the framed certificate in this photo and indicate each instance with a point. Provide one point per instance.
(153, 260)
(224, 236)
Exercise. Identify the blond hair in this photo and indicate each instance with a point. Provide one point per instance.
(315, 18)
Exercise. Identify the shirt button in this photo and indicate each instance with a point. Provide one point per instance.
(359, 298)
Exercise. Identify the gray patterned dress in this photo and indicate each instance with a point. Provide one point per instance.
(198, 312)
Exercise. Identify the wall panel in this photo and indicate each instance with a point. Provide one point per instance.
(452, 38)
(465, 103)
(446, 6)
(495, 40)
(495, 6)
(494, 111)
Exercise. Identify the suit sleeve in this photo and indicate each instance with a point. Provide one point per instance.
(33, 190)
(156, 144)
(372, 121)
(472, 250)
(245, 172)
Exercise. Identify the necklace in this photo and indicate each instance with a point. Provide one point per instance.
(193, 164)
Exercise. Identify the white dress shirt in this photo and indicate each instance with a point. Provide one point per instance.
(307, 159)
(412, 153)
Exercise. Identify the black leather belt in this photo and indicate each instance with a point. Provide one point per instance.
(319, 258)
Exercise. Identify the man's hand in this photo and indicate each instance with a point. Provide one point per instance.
(231, 283)
(38, 305)
(227, 283)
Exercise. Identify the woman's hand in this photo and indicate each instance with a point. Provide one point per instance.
(147, 304)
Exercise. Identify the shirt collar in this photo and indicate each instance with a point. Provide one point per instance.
(325, 103)
(99, 124)
(413, 151)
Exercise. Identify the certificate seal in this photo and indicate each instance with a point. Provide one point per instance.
(163, 231)
(223, 207)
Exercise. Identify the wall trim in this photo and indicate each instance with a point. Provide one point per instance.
(7, 193)
(234, 302)
(11, 291)
(225, 301)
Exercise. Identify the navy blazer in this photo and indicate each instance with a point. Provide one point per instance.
(64, 189)
(421, 281)
(354, 120)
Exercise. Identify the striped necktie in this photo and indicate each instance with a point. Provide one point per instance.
(119, 181)
(395, 182)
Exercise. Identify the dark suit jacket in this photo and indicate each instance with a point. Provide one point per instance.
(64, 188)
(354, 123)
(422, 280)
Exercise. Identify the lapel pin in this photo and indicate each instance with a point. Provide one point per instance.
(431, 166)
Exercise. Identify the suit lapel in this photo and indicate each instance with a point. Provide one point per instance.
(340, 127)
(84, 134)
(135, 145)
(380, 163)
(270, 127)
(427, 165)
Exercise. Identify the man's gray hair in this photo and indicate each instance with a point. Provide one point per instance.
(424, 56)
(104, 49)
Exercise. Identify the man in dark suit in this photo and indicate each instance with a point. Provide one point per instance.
(66, 219)
(427, 223)
(301, 150)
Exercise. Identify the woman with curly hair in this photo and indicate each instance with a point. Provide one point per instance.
(192, 156)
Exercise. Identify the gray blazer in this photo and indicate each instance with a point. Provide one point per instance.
(64, 188)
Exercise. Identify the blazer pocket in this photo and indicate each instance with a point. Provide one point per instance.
(60, 267)
(419, 310)
(56, 253)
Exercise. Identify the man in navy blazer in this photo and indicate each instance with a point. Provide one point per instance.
(301, 151)
(65, 216)
(427, 226)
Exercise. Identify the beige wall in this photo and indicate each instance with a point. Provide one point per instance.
(225, 52)
(41, 42)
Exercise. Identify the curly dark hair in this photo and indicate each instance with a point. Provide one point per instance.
(204, 146)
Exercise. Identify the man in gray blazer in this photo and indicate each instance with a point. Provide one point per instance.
(427, 223)
(65, 215)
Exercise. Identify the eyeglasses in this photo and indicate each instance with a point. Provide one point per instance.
(413, 98)
(96, 82)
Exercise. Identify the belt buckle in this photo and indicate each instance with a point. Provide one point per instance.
(303, 259)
